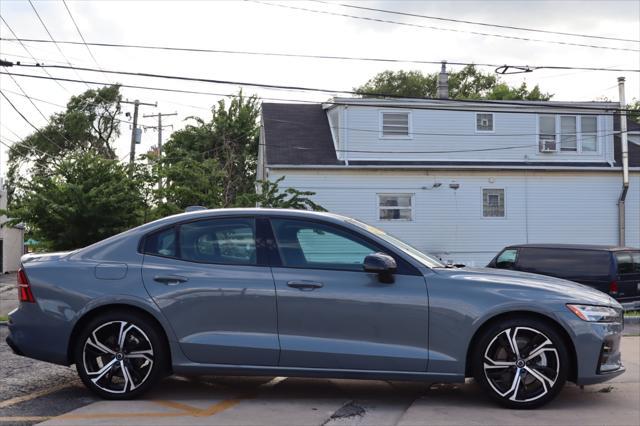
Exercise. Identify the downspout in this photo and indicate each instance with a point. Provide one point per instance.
(625, 164)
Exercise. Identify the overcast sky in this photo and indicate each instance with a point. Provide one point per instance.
(259, 27)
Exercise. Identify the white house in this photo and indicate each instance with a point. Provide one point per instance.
(460, 179)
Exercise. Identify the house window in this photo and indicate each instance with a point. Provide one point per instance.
(568, 133)
(484, 122)
(589, 133)
(395, 124)
(493, 202)
(395, 206)
(547, 138)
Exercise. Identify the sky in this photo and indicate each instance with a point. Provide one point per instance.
(257, 26)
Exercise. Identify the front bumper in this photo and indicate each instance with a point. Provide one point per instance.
(597, 349)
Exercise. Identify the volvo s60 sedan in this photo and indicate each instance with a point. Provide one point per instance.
(297, 293)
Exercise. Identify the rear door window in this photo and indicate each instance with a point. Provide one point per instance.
(161, 243)
(628, 262)
(564, 263)
(224, 241)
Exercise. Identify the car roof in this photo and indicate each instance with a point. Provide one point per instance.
(573, 247)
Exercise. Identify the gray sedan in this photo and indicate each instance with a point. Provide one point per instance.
(296, 293)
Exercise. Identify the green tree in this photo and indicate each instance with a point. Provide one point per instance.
(271, 195)
(85, 199)
(468, 83)
(635, 110)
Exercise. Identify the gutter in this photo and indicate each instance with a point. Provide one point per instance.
(445, 167)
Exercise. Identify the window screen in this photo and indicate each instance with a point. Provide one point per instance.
(395, 207)
(589, 134)
(493, 202)
(395, 124)
(568, 135)
(484, 122)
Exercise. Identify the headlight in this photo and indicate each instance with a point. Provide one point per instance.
(595, 313)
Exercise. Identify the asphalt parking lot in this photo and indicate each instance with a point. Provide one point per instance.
(34, 392)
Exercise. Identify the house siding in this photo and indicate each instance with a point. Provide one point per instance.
(451, 135)
(540, 206)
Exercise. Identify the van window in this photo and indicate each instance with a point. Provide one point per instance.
(564, 262)
(628, 262)
(506, 259)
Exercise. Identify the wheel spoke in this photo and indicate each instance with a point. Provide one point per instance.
(515, 385)
(540, 377)
(540, 349)
(148, 355)
(124, 330)
(128, 381)
(104, 370)
(99, 345)
(513, 342)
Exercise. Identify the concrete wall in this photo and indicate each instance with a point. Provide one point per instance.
(541, 207)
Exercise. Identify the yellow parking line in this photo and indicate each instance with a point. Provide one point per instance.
(16, 419)
(177, 405)
(34, 395)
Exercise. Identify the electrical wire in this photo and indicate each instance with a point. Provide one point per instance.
(308, 56)
(430, 27)
(307, 89)
(52, 39)
(30, 54)
(64, 2)
(485, 24)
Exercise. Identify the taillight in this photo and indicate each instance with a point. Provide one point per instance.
(24, 288)
(613, 288)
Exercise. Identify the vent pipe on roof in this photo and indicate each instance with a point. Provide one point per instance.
(443, 82)
(624, 148)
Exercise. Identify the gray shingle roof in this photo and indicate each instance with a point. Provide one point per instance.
(297, 134)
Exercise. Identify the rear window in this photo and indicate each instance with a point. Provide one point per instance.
(564, 263)
(628, 262)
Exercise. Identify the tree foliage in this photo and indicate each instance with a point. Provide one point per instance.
(468, 83)
(86, 199)
(271, 195)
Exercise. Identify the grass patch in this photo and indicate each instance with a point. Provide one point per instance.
(4, 318)
(632, 314)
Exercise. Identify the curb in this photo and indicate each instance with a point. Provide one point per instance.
(632, 320)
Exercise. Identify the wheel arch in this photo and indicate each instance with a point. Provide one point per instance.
(573, 370)
(98, 310)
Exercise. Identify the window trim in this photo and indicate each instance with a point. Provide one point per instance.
(262, 258)
(493, 122)
(504, 191)
(412, 196)
(409, 134)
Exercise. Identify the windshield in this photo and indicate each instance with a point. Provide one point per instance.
(421, 257)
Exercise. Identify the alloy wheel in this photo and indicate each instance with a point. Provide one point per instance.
(118, 357)
(521, 364)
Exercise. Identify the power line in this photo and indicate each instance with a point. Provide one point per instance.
(27, 96)
(408, 24)
(30, 54)
(52, 39)
(485, 24)
(27, 120)
(298, 88)
(80, 33)
(308, 56)
(347, 103)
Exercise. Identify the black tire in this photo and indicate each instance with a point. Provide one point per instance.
(97, 346)
(541, 377)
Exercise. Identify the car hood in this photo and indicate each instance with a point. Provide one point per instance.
(569, 290)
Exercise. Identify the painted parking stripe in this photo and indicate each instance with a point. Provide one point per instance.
(17, 419)
(36, 394)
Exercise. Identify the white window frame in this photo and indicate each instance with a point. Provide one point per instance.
(412, 196)
(504, 191)
(578, 135)
(409, 134)
(493, 122)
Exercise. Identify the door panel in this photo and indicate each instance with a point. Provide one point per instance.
(222, 313)
(344, 318)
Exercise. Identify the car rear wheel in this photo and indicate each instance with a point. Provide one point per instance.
(522, 363)
(120, 355)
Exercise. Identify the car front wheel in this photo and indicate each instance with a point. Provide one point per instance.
(522, 363)
(120, 355)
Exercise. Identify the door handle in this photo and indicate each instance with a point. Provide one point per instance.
(305, 285)
(170, 279)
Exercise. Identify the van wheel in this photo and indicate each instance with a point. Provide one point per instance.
(120, 355)
(522, 363)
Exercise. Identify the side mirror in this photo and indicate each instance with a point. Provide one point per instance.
(381, 264)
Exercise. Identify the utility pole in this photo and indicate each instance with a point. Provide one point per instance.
(134, 131)
(624, 149)
(159, 115)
